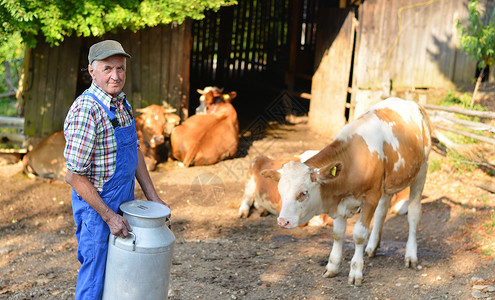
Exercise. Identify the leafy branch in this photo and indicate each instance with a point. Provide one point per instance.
(57, 19)
(477, 39)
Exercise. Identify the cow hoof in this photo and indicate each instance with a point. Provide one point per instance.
(329, 274)
(411, 263)
(356, 281)
(371, 253)
(243, 214)
(264, 212)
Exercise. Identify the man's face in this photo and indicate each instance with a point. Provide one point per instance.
(109, 74)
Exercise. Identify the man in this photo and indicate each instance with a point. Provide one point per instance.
(102, 160)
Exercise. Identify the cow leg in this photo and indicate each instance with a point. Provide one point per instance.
(332, 268)
(249, 195)
(376, 232)
(359, 235)
(414, 215)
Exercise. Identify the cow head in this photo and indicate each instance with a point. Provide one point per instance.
(216, 92)
(156, 124)
(213, 99)
(299, 186)
(172, 121)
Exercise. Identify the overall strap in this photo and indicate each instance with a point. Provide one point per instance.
(111, 115)
(128, 107)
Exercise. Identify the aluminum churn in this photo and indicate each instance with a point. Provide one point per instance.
(138, 267)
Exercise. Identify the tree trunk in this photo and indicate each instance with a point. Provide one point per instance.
(8, 77)
(478, 82)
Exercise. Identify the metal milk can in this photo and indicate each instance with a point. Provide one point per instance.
(138, 267)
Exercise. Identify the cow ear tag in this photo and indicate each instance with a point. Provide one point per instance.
(334, 171)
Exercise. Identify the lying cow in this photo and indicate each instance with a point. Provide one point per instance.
(208, 138)
(46, 159)
(262, 193)
(153, 127)
(381, 153)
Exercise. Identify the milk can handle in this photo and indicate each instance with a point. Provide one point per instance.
(133, 241)
(169, 222)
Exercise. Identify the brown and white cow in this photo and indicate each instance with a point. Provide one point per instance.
(153, 127)
(46, 159)
(379, 154)
(208, 138)
(261, 192)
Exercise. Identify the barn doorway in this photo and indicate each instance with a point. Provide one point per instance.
(262, 49)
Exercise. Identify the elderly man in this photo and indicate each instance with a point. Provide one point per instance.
(103, 157)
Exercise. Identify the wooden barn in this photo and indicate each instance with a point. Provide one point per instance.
(330, 59)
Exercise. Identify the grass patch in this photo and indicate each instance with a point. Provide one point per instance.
(460, 163)
(490, 223)
(464, 100)
(435, 165)
(487, 231)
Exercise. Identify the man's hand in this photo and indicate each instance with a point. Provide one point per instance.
(158, 200)
(118, 225)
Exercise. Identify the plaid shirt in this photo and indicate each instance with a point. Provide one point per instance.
(91, 147)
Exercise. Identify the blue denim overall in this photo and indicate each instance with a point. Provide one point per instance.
(92, 232)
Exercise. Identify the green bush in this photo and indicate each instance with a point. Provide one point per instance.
(7, 107)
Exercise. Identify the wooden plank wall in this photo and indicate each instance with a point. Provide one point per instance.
(158, 72)
(413, 43)
(52, 80)
(333, 59)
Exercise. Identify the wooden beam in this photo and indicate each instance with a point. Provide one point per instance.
(465, 133)
(8, 94)
(12, 137)
(465, 123)
(17, 123)
(474, 113)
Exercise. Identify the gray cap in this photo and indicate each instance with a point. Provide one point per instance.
(104, 49)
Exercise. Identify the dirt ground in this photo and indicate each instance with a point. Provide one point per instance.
(219, 256)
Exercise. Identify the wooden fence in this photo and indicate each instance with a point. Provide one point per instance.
(15, 136)
(446, 119)
(443, 116)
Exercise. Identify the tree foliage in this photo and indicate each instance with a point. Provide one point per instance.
(54, 20)
(477, 37)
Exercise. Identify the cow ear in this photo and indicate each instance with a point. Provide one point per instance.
(232, 95)
(327, 173)
(271, 173)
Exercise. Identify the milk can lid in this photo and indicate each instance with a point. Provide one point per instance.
(145, 209)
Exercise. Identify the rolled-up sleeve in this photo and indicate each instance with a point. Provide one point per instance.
(80, 136)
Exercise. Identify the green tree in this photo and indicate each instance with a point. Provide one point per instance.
(477, 39)
(54, 20)
(24, 22)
